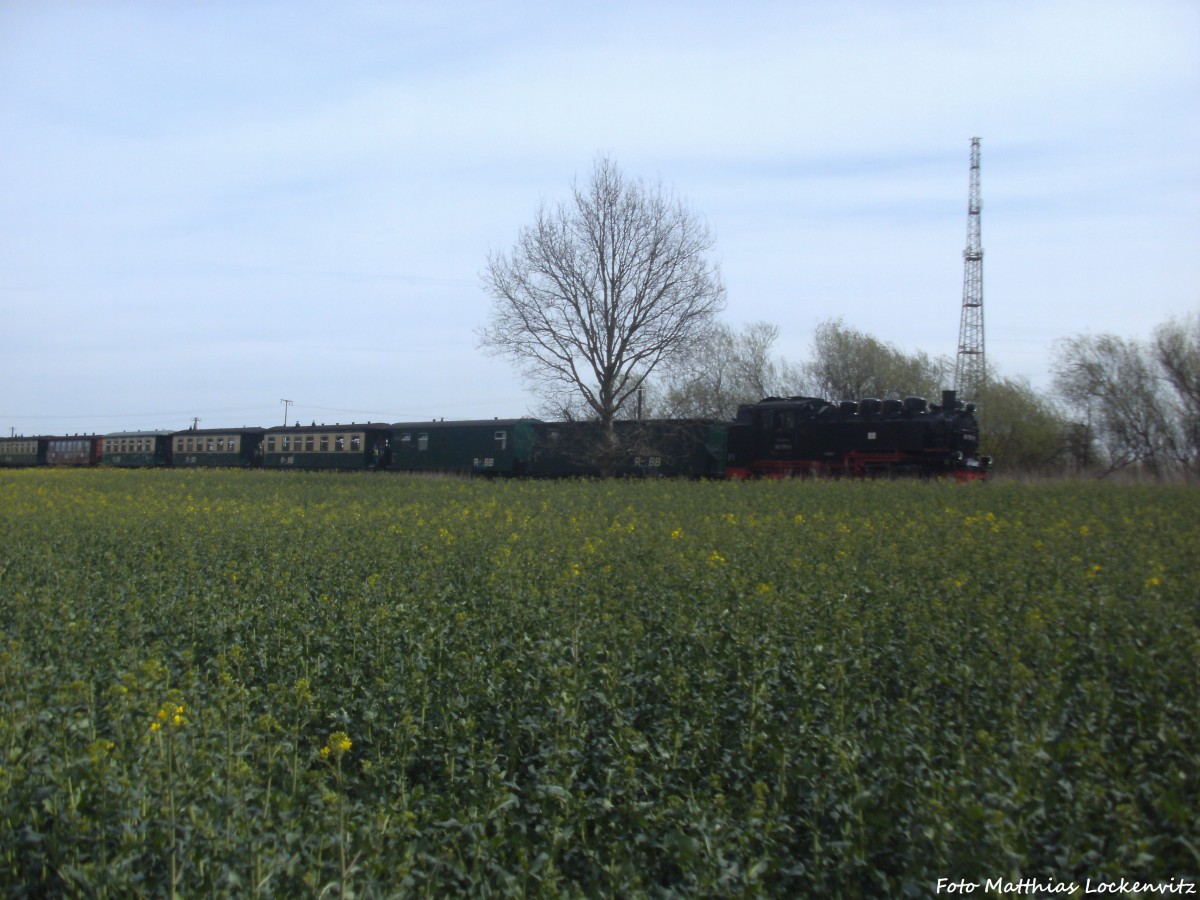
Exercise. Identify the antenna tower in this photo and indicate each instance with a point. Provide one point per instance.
(970, 372)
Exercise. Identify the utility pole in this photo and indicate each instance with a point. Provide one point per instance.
(286, 404)
(970, 371)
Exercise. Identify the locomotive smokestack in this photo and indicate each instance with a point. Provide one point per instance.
(949, 401)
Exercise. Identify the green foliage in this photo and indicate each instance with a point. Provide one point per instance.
(727, 369)
(848, 364)
(1018, 427)
(246, 683)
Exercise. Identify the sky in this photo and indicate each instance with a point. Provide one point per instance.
(207, 208)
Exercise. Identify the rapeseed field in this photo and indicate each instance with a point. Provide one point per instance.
(278, 684)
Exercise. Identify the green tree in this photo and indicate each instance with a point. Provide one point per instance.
(1023, 430)
(848, 364)
(725, 370)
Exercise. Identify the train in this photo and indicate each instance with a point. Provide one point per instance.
(776, 437)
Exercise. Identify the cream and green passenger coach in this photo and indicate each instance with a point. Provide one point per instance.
(136, 449)
(231, 447)
(23, 451)
(327, 446)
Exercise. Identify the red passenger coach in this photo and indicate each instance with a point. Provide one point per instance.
(78, 450)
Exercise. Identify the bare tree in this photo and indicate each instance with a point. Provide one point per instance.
(1114, 383)
(599, 291)
(1176, 349)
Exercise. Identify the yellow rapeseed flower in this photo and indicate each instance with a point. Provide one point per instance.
(339, 743)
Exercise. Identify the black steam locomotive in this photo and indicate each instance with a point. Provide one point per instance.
(779, 437)
(774, 438)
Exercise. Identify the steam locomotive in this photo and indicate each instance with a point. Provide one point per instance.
(776, 437)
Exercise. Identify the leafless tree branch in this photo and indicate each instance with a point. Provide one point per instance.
(598, 292)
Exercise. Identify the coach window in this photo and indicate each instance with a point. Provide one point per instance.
(271, 444)
(309, 442)
(423, 440)
(233, 445)
(501, 440)
(405, 441)
(221, 444)
(339, 443)
(356, 442)
(286, 443)
(178, 445)
(324, 443)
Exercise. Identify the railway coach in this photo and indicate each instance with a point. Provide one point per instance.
(75, 450)
(484, 447)
(18, 452)
(230, 447)
(666, 448)
(136, 449)
(366, 446)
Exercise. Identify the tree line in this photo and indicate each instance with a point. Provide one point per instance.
(609, 305)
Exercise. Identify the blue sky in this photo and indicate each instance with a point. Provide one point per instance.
(207, 207)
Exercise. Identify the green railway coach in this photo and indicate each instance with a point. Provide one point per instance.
(23, 451)
(233, 448)
(365, 446)
(639, 449)
(136, 449)
(484, 447)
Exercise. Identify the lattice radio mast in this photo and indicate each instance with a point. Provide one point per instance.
(970, 372)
